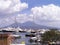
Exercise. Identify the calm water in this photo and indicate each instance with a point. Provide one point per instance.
(23, 38)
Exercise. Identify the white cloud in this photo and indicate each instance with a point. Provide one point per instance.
(46, 12)
(5, 22)
(44, 15)
(48, 15)
(24, 18)
(11, 6)
(20, 18)
(9, 9)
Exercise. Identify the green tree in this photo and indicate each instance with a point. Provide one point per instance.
(52, 35)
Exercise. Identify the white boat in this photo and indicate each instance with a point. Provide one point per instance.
(16, 36)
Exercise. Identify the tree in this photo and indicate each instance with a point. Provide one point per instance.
(51, 36)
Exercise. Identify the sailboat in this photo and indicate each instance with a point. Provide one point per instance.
(17, 30)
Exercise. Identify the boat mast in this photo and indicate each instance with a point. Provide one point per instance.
(16, 24)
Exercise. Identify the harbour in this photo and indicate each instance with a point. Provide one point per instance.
(25, 37)
(20, 38)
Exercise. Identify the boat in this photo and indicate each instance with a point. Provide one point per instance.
(16, 36)
(30, 35)
(22, 31)
(7, 31)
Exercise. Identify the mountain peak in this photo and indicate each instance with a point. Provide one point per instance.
(28, 25)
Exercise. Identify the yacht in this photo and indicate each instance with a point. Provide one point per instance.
(16, 36)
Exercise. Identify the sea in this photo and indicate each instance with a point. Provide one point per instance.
(23, 39)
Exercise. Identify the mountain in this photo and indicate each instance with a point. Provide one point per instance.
(29, 25)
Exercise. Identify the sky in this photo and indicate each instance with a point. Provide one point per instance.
(42, 12)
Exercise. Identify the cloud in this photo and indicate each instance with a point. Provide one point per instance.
(44, 15)
(49, 12)
(20, 18)
(6, 21)
(9, 9)
(48, 15)
(11, 6)
(24, 18)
